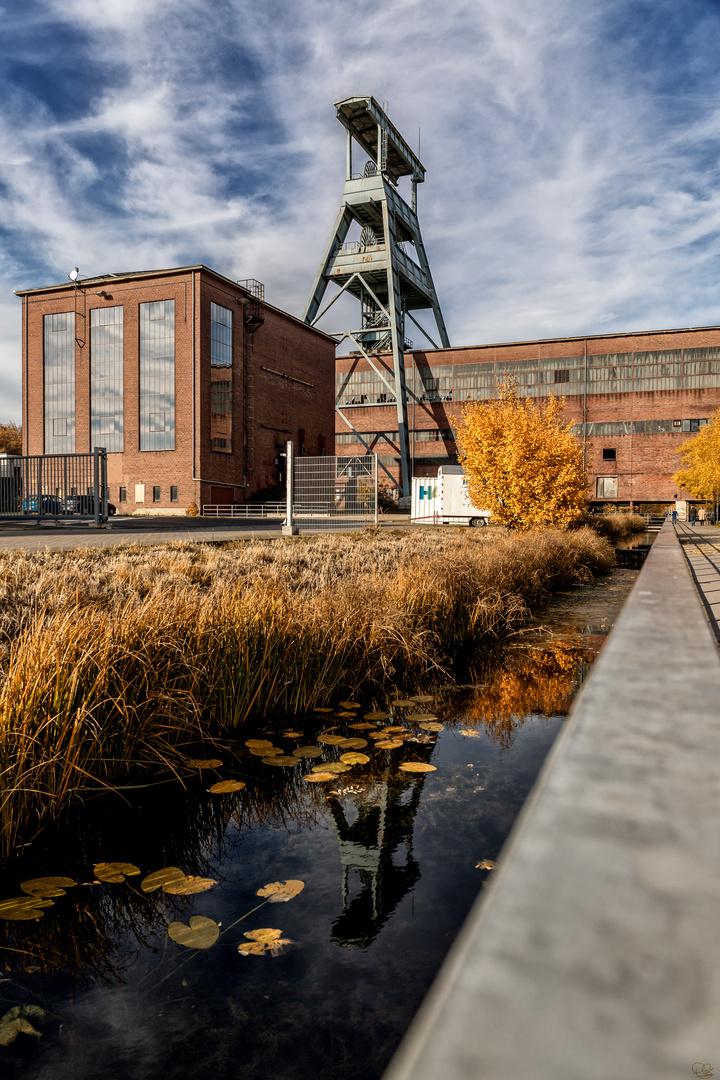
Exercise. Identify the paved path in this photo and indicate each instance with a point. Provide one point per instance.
(131, 530)
(701, 544)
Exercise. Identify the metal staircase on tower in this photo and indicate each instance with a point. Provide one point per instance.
(386, 268)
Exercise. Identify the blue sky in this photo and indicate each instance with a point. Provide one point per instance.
(572, 149)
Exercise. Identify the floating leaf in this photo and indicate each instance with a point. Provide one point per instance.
(376, 715)
(223, 786)
(257, 744)
(395, 730)
(279, 892)
(115, 871)
(265, 751)
(360, 727)
(334, 767)
(389, 744)
(19, 908)
(14, 1022)
(353, 744)
(331, 740)
(282, 760)
(205, 763)
(323, 710)
(189, 886)
(307, 751)
(417, 766)
(470, 734)
(47, 886)
(263, 941)
(486, 864)
(346, 715)
(319, 777)
(350, 704)
(354, 758)
(431, 725)
(159, 878)
(202, 933)
(402, 703)
(293, 734)
(420, 698)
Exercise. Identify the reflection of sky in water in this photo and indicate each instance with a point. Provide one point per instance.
(389, 877)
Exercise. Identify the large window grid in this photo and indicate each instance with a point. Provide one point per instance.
(157, 375)
(221, 379)
(609, 373)
(106, 378)
(59, 382)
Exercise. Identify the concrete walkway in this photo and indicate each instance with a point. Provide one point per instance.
(595, 952)
(701, 544)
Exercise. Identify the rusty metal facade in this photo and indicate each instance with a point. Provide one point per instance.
(386, 267)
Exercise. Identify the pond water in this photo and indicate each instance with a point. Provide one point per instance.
(390, 862)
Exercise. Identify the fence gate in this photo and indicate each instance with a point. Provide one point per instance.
(331, 494)
(54, 486)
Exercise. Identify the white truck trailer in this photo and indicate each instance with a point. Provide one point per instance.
(444, 500)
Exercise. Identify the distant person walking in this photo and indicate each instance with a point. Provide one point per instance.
(702, 515)
(674, 516)
(692, 516)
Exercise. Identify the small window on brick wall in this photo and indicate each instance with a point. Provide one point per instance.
(608, 453)
(173, 494)
(156, 494)
(123, 495)
(562, 376)
(606, 487)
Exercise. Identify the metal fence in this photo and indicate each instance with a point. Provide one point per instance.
(244, 510)
(332, 494)
(54, 486)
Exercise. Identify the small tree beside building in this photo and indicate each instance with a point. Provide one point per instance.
(699, 471)
(522, 463)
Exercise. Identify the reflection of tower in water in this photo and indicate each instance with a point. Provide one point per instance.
(370, 845)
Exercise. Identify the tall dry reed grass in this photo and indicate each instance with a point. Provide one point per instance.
(116, 660)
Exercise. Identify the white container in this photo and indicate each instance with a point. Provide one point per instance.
(444, 500)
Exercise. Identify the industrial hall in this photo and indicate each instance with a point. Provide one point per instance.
(190, 381)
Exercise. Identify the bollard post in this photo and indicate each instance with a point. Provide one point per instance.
(96, 486)
(288, 528)
(375, 481)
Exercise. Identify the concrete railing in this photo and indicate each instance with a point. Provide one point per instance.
(595, 952)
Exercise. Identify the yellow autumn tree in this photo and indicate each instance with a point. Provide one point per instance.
(699, 469)
(10, 438)
(522, 463)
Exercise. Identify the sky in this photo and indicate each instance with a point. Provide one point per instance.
(572, 151)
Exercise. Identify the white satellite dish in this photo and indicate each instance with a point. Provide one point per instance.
(73, 274)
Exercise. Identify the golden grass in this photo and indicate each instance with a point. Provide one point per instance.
(616, 526)
(116, 659)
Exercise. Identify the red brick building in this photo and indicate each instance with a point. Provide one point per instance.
(191, 382)
(633, 400)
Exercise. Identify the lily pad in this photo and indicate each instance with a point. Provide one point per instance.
(402, 703)
(319, 777)
(257, 744)
(223, 786)
(421, 698)
(397, 729)
(353, 744)
(115, 871)
(160, 878)
(323, 710)
(202, 933)
(189, 886)
(293, 734)
(205, 763)
(279, 892)
(47, 886)
(331, 740)
(263, 941)
(336, 767)
(417, 766)
(265, 751)
(308, 751)
(350, 704)
(361, 726)
(354, 758)
(376, 715)
(389, 744)
(431, 725)
(282, 760)
(15, 1022)
(21, 908)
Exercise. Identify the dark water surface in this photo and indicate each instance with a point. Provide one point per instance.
(391, 862)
